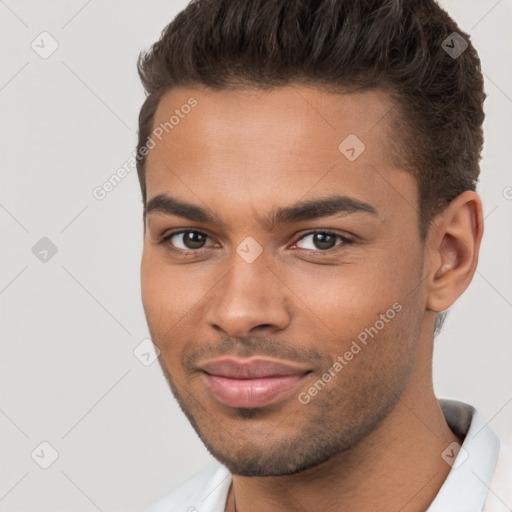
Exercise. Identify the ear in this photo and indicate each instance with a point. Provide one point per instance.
(452, 247)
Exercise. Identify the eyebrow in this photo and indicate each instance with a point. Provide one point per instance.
(306, 210)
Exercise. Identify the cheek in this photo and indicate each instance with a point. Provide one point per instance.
(159, 295)
(364, 300)
(151, 291)
(347, 295)
(170, 295)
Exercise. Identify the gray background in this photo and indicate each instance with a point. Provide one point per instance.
(70, 324)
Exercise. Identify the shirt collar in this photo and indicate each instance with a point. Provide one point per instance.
(468, 483)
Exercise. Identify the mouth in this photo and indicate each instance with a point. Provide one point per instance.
(253, 382)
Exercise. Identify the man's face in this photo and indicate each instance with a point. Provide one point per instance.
(331, 321)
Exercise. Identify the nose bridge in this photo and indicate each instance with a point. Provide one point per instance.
(249, 295)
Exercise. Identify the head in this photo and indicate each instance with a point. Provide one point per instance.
(308, 174)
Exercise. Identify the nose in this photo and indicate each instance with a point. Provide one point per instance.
(250, 297)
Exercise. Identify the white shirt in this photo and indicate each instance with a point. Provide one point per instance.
(480, 479)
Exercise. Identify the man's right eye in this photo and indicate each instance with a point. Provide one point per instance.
(185, 240)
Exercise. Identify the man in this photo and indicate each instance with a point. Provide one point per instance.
(308, 172)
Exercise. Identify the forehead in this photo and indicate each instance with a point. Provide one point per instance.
(285, 117)
(266, 146)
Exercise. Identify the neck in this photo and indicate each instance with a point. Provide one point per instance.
(397, 467)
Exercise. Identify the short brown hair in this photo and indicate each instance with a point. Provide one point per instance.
(355, 44)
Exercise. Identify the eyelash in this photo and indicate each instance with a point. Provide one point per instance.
(202, 250)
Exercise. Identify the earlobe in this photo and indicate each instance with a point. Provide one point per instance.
(453, 246)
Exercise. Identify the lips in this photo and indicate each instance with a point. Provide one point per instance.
(253, 382)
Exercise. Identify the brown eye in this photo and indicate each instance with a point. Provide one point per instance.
(321, 240)
(186, 240)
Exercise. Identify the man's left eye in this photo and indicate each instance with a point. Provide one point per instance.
(322, 240)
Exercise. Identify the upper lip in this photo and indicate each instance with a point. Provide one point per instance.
(255, 368)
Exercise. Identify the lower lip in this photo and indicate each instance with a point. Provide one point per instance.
(251, 392)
